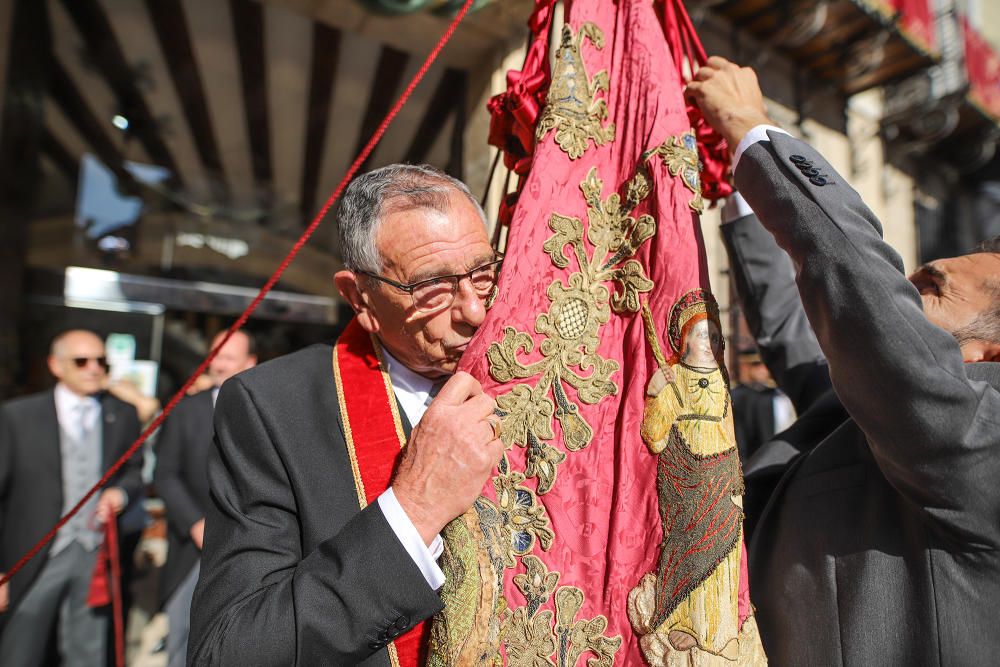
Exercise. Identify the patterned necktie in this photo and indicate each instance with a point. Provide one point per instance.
(85, 409)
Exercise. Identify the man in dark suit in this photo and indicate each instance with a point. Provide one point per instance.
(309, 558)
(760, 409)
(181, 480)
(881, 542)
(53, 447)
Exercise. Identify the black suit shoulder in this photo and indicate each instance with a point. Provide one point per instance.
(30, 406)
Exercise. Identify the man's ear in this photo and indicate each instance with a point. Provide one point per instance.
(980, 350)
(347, 284)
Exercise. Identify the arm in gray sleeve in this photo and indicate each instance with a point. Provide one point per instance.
(934, 433)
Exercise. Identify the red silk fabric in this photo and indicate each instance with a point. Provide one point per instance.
(377, 442)
(603, 506)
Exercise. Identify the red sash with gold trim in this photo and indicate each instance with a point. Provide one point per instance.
(374, 435)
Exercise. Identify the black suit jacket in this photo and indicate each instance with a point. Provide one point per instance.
(181, 480)
(880, 543)
(293, 572)
(31, 492)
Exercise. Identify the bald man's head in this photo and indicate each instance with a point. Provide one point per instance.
(76, 359)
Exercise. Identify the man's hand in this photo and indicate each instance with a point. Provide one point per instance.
(198, 533)
(4, 595)
(729, 97)
(449, 456)
(110, 505)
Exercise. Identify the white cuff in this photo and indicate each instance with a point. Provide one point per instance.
(759, 133)
(735, 208)
(424, 557)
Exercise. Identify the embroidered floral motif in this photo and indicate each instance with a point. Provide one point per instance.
(531, 638)
(680, 156)
(572, 108)
(571, 326)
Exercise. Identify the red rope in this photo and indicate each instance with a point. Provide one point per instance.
(358, 161)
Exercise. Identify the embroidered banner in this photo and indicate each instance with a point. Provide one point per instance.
(542, 570)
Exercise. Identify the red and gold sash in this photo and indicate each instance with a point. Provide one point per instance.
(374, 435)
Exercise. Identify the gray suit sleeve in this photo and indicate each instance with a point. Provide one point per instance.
(765, 285)
(261, 600)
(933, 432)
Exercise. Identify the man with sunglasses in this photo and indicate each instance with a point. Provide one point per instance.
(54, 446)
(334, 473)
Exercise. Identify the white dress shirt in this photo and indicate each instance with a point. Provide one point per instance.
(413, 391)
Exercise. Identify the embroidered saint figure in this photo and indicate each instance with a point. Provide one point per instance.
(687, 612)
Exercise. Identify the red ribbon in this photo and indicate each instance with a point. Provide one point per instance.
(106, 586)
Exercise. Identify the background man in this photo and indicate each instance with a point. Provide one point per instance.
(293, 570)
(53, 447)
(880, 543)
(181, 480)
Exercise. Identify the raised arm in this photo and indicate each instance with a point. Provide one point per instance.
(934, 433)
(261, 600)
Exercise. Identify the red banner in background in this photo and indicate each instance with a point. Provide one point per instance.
(916, 21)
(983, 67)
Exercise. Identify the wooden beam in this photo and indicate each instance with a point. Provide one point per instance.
(248, 29)
(385, 89)
(170, 23)
(102, 45)
(60, 156)
(74, 107)
(322, 77)
(449, 95)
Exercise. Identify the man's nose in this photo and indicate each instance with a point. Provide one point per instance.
(469, 306)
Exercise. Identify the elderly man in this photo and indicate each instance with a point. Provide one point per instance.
(54, 446)
(310, 556)
(181, 480)
(881, 542)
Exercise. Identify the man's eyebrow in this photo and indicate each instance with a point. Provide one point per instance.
(440, 272)
(935, 273)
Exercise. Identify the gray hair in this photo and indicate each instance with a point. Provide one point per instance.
(397, 187)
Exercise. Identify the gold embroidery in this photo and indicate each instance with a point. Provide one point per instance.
(531, 638)
(479, 546)
(571, 327)
(680, 156)
(572, 108)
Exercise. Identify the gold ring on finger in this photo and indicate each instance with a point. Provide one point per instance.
(496, 424)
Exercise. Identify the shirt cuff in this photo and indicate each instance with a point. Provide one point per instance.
(736, 207)
(759, 133)
(424, 557)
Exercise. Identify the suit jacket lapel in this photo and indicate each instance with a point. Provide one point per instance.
(48, 444)
(110, 425)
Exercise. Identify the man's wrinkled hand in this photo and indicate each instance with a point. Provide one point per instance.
(449, 457)
(729, 97)
(110, 504)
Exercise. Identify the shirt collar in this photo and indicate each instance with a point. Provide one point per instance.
(66, 406)
(404, 379)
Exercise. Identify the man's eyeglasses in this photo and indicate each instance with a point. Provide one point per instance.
(434, 294)
(81, 362)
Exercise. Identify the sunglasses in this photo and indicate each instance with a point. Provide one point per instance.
(81, 362)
